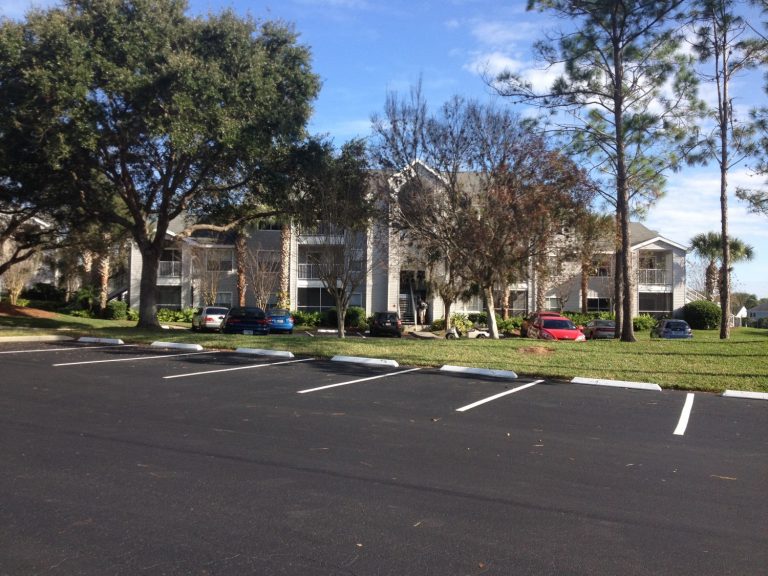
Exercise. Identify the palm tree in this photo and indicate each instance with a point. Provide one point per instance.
(708, 246)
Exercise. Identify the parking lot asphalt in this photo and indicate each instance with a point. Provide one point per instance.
(139, 460)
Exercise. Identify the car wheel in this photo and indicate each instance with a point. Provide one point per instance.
(481, 336)
(451, 336)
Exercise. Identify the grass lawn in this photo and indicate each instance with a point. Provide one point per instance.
(704, 363)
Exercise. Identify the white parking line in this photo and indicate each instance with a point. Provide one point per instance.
(250, 366)
(497, 396)
(160, 357)
(356, 381)
(685, 415)
(64, 349)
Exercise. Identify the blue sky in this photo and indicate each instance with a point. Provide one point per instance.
(363, 49)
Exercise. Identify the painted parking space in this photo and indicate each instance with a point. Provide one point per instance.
(418, 390)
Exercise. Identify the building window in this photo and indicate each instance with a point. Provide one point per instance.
(169, 297)
(170, 264)
(598, 304)
(220, 260)
(601, 267)
(552, 303)
(655, 303)
(314, 300)
(223, 299)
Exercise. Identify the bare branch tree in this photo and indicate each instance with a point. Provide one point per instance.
(262, 269)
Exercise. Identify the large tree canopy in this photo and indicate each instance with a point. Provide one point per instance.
(630, 90)
(144, 113)
(490, 196)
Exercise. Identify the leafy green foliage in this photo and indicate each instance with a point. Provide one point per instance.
(42, 291)
(643, 322)
(168, 315)
(132, 112)
(355, 318)
(116, 310)
(308, 319)
(702, 315)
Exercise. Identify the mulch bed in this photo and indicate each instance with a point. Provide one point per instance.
(9, 310)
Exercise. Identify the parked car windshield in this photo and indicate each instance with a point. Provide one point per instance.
(559, 324)
(279, 312)
(247, 312)
(677, 326)
(216, 310)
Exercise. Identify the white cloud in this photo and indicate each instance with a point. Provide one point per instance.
(492, 64)
(503, 34)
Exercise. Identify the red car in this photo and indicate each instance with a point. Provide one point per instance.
(530, 320)
(555, 328)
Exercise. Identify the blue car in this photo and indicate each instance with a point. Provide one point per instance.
(280, 320)
(246, 320)
(672, 329)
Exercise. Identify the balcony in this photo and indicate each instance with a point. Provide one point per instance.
(309, 271)
(168, 269)
(652, 277)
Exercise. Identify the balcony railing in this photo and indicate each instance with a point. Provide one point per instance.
(169, 269)
(309, 271)
(652, 276)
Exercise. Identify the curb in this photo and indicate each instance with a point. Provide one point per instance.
(360, 360)
(480, 371)
(34, 338)
(177, 345)
(260, 352)
(746, 395)
(617, 384)
(91, 340)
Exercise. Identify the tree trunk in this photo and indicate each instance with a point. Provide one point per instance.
(88, 257)
(447, 311)
(710, 280)
(285, 267)
(492, 327)
(505, 301)
(584, 286)
(341, 313)
(150, 259)
(725, 125)
(241, 255)
(104, 268)
(627, 329)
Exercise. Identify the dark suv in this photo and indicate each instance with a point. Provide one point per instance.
(386, 324)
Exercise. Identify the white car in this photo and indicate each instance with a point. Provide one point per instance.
(208, 318)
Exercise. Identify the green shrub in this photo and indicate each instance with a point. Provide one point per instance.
(461, 322)
(80, 313)
(116, 310)
(45, 292)
(643, 322)
(510, 325)
(86, 298)
(304, 318)
(478, 318)
(132, 314)
(355, 317)
(438, 324)
(168, 315)
(580, 319)
(702, 315)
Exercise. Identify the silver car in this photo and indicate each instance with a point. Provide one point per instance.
(208, 318)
